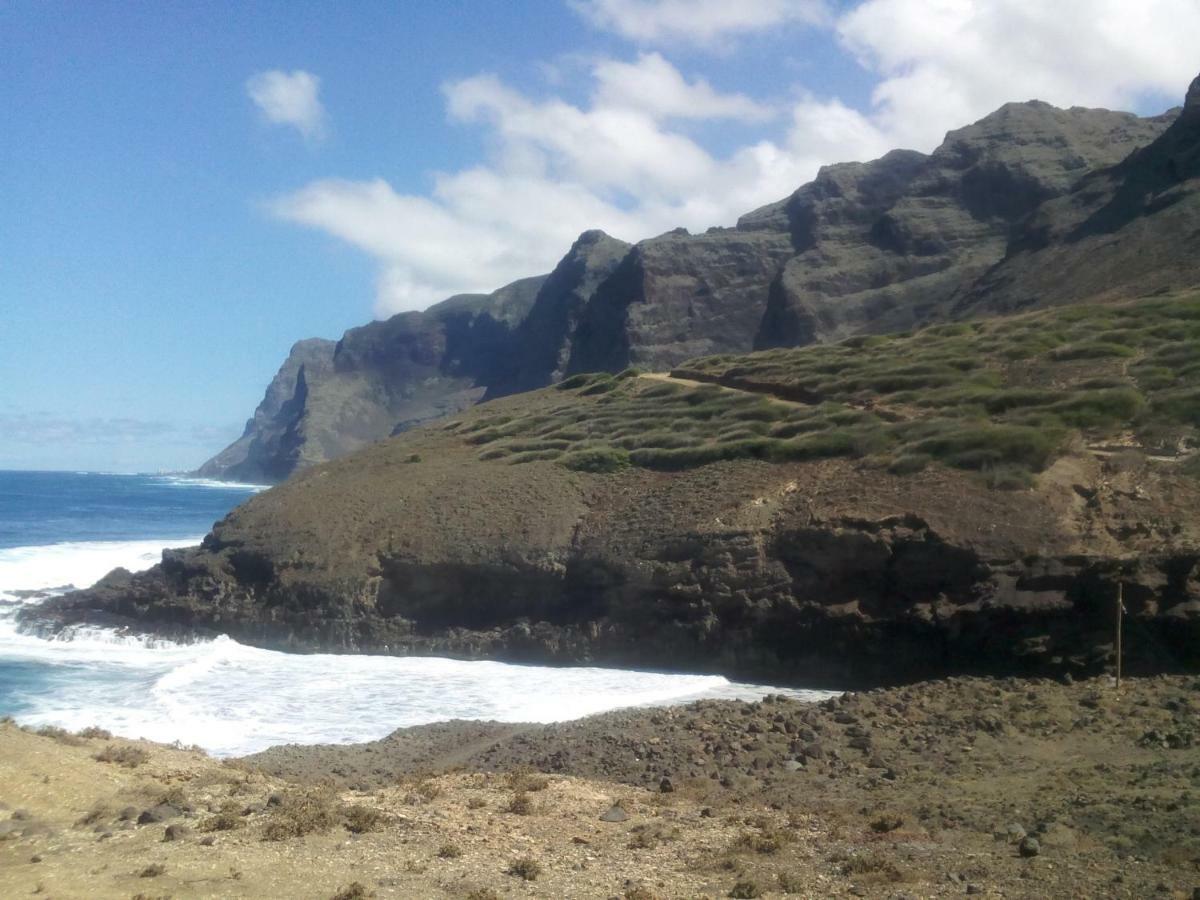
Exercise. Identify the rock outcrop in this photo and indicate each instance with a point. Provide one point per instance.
(866, 247)
(1132, 229)
(807, 571)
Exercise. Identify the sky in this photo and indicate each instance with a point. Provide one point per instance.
(186, 189)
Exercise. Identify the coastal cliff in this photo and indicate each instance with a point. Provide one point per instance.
(976, 511)
(969, 496)
(865, 248)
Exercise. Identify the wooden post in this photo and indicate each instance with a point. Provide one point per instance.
(1120, 616)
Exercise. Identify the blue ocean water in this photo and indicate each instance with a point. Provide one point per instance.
(60, 529)
(40, 508)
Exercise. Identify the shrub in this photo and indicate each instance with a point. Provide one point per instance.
(878, 868)
(980, 444)
(525, 867)
(745, 890)
(520, 805)
(1092, 350)
(127, 756)
(1182, 407)
(598, 460)
(449, 851)
(361, 819)
(355, 890)
(302, 812)
(581, 380)
(61, 735)
(1093, 409)
(152, 871)
(910, 463)
(522, 780)
(227, 818)
(767, 840)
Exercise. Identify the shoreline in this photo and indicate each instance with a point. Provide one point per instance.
(1013, 787)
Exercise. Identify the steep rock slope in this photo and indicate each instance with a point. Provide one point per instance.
(866, 247)
(1129, 230)
(883, 246)
(967, 498)
(265, 449)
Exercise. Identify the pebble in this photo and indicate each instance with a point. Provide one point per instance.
(1030, 847)
(614, 814)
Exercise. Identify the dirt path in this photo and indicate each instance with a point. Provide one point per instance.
(694, 383)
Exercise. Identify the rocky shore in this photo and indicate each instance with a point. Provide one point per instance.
(961, 787)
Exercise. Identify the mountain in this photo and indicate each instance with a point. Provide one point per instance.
(1129, 229)
(974, 495)
(866, 247)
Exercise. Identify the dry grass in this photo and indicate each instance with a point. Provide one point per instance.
(127, 756)
(302, 812)
(525, 867)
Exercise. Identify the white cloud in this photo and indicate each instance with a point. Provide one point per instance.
(701, 22)
(621, 162)
(289, 98)
(945, 63)
(656, 87)
(559, 169)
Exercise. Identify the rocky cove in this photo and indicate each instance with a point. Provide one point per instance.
(731, 568)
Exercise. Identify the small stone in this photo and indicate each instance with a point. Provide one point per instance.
(706, 812)
(35, 858)
(1013, 833)
(615, 814)
(175, 832)
(665, 786)
(207, 841)
(974, 889)
(159, 813)
(1030, 847)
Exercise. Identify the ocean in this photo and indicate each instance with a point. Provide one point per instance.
(64, 529)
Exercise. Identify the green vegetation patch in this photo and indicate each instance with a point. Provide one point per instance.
(1002, 397)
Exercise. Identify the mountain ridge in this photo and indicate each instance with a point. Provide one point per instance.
(864, 248)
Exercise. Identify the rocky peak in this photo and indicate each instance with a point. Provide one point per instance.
(1191, 105)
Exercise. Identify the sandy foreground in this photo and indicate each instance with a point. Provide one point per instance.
(956, 788)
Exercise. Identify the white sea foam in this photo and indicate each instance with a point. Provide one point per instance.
(233, 699)
(188, 481)
(77, 564)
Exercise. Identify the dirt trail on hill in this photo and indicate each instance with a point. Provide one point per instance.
(694, 383)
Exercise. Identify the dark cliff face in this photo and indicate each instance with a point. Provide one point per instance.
(866, 247)
(886, 246)
(264, 451)
(1131, 229)
(538, 354)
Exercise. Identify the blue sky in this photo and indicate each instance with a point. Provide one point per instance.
(186, 189)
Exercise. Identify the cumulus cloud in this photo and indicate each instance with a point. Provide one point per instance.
(945, 63)
(289, 98)
(654, 86)
(625, 162)
(701, 22)
(616, 163)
